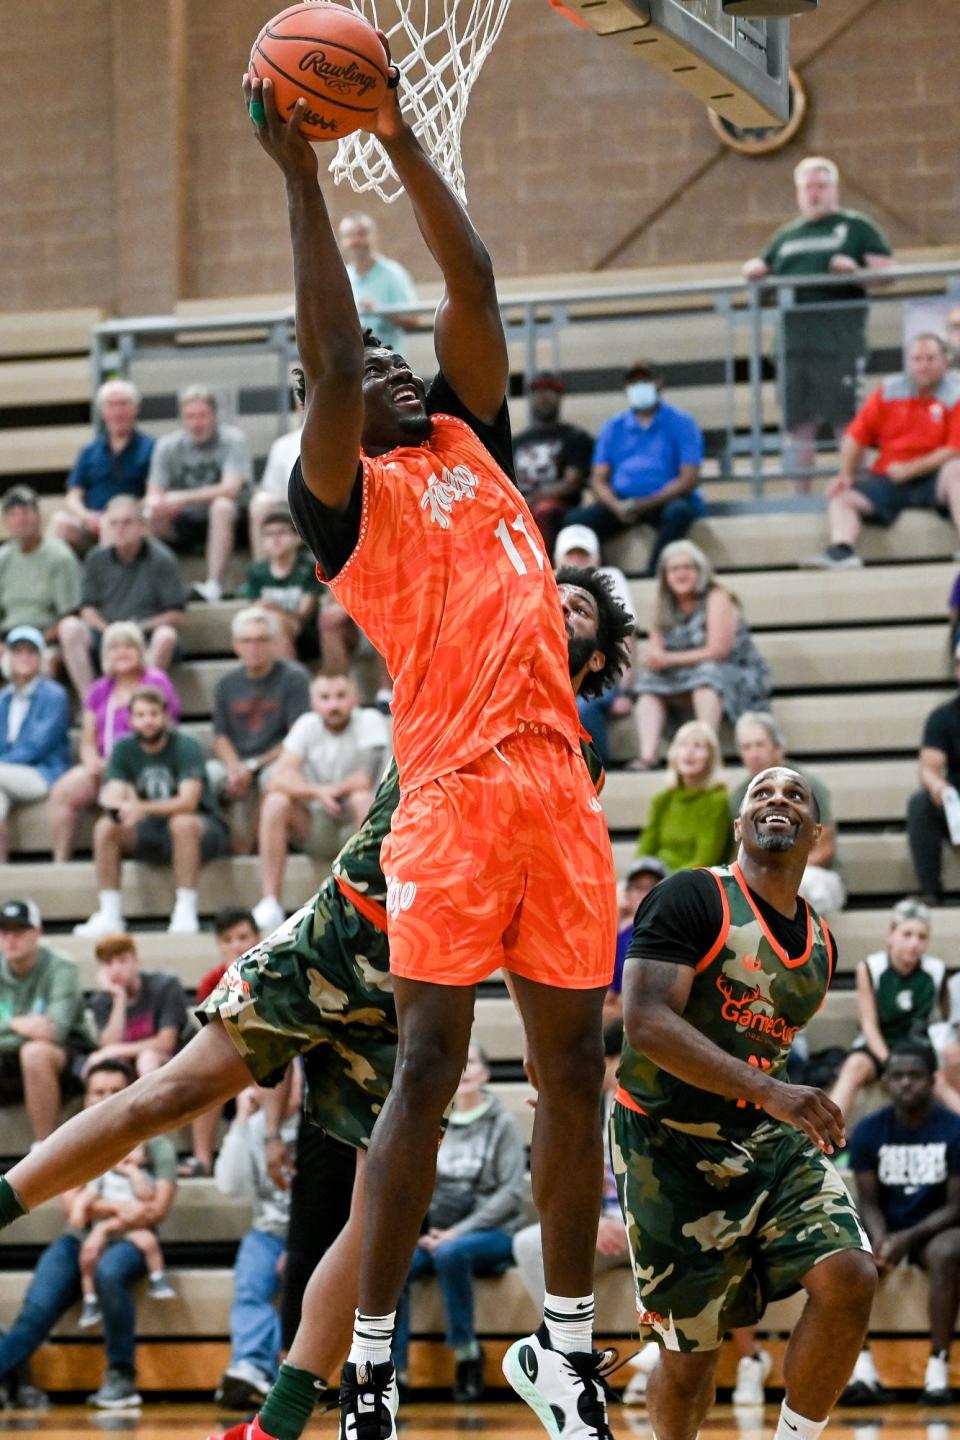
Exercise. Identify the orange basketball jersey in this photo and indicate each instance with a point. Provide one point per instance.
(450, 582)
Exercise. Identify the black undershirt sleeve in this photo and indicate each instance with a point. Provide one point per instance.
(331, 535)
(679, 921)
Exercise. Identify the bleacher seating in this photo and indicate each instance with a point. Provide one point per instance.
(858, 659)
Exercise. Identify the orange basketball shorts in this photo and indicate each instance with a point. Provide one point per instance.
(505, 862)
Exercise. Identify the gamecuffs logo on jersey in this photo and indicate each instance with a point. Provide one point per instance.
(400, 895)
(738, 1003)
(442, 493)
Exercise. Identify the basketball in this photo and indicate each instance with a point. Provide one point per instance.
(329, 56)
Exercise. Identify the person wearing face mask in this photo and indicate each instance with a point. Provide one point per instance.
(646, 466)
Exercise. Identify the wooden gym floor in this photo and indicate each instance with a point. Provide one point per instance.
(431, 1422)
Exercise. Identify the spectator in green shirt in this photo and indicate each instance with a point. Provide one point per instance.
(158, 808)
(41, 1025)
(824, 336)
(40, 580)
(285, 583)
(688, 823)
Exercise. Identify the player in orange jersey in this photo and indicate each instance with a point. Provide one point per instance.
(498, 855)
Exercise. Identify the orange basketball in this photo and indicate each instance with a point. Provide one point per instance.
(331, 57)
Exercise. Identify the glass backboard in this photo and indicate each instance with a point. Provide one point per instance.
(737, 66)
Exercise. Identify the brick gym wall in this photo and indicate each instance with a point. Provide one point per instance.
(135, 181)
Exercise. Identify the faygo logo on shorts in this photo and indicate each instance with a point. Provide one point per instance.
(400, 895)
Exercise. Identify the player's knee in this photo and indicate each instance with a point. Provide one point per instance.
(575, 1067)
(428, 1072)
(847, 1280)
(688, 1378)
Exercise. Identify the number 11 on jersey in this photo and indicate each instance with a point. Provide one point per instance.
(507, 541)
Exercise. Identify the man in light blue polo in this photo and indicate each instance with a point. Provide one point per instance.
(376, 281)
(646, 466)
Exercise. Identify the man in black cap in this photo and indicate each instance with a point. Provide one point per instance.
(39, 579)
(645, 873)
(40, 1016)
(552, 458)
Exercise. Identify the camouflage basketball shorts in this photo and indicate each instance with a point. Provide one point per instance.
(318, 987)
(718, 1229)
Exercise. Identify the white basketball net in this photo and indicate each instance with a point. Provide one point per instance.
(439, 47)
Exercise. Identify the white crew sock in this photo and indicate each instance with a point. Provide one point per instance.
(792, 1426)
(187, 899)
(110, 906)
(372, 1337)
(569, 1322)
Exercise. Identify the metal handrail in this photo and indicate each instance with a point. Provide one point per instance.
(542, 315)
(166, 324)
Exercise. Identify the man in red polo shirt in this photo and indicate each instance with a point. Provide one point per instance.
(913, 421)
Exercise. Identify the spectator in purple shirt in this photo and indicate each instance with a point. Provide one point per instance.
(106, 719)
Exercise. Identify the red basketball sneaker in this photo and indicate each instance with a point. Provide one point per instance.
(247, 1430)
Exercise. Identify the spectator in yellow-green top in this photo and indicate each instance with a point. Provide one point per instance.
(688, 822)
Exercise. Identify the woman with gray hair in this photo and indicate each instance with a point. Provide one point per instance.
(700, 654)
(106, 719)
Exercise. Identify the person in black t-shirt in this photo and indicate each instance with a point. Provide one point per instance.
(939, 783)
(906, 1158)
(720, 1161)
(552, 459)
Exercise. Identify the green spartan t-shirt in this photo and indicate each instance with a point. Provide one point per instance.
(905, 1002)
(157, 775)
(262, 584)
(806, 247)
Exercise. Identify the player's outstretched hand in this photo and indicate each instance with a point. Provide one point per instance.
(388, 123)
(810, 1111)
(283, 140)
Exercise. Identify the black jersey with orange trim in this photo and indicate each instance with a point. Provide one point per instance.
(759, 978)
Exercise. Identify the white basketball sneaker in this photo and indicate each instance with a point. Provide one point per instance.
(642, 1365)
(565, 1392)
(752, 1371)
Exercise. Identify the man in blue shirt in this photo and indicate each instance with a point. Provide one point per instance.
(906, 1158)
(645, 467)
(115, 463)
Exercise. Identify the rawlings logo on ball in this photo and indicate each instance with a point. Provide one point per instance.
(340, 78)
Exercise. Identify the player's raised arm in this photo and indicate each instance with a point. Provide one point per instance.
(468, 332)
(329, 334)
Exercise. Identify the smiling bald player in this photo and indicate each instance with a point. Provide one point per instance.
(729, 1198)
